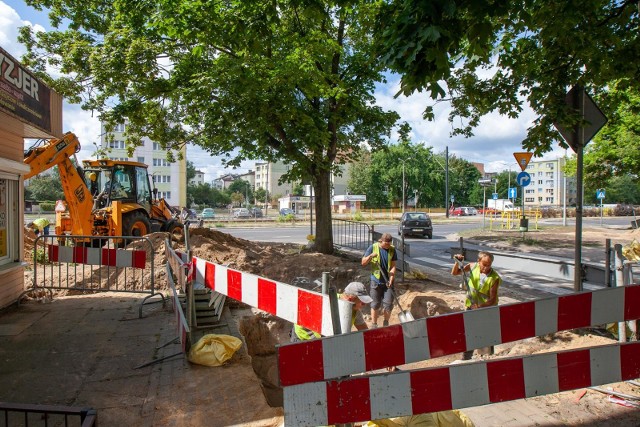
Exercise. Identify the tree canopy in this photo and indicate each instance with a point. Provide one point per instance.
(486, 56)
(283, 80)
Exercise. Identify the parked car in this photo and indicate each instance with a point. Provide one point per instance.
(207, 213)
(286, 211)
(241, 213)
(416, 223)
(256, 212)
(468, 210)
(457, 211)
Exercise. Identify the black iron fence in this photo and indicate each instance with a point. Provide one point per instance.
(352, 234)
(20, 414)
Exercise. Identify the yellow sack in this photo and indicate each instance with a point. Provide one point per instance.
(632, 251)
(453, 418)
(213, 349)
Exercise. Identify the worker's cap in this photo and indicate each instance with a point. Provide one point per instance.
(358, 289)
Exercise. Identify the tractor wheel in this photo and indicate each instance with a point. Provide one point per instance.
(136, 224)
(174, 228)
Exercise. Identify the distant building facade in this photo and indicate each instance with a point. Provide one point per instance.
(549, 186)
(198, 179)
(169, 178)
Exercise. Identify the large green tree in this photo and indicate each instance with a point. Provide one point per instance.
(490, 56)
(271, 80)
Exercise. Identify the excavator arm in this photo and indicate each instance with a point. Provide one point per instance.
(58, 152)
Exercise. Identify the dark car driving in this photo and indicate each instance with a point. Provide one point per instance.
(415, 223)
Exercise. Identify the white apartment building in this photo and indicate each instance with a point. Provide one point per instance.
(549, 184)
(169, 178)
(198, 179)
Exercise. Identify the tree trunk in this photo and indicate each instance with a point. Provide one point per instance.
(324, 231)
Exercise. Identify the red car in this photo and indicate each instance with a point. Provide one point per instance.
(457, 212)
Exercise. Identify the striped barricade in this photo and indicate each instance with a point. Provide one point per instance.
(422, 339)
(363, 398)
(95, 269)
(306, 308)
(97, 256)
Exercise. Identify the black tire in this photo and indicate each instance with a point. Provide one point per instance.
(174, 228)
(430, 235)
(136, 224)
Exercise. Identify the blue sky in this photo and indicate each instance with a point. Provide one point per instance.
(495, 140)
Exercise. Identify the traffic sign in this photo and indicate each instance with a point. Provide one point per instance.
(578, 99)
(452, 198)
(523, 179)
(513, 193)
(600, 194)
(495, 196)
(523, 159)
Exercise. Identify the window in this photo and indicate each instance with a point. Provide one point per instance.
(116, 144)
(156, 147)
(165, 194)
(529, 199)
(550, 166)
(161, 162)
(140, 159)
(549, 199)
(9, 231)
(165, 178)
(119, 127)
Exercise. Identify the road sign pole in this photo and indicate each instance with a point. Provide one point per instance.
(578, 104)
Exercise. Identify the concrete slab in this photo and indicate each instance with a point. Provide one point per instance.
(17, 323)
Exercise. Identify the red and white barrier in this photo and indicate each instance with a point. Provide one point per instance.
(364, 398)
(97, 256)
(337, 356)
(307, 308)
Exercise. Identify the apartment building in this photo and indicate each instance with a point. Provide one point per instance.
(170, 178)
(549, 185)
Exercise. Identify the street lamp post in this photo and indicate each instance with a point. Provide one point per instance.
(403, 185)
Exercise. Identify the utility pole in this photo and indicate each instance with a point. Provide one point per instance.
(446, 181)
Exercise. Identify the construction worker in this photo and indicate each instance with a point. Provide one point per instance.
(482, 286)
(382, 257)
(355, 293)
(40, 225)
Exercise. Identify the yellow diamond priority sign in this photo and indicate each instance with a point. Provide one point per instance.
(523, 159)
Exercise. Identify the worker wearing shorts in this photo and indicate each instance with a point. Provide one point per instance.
(382, 257)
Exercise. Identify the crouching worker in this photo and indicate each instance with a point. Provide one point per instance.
(356, 293)
(41, 226)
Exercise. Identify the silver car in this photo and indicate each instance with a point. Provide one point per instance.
(241, 213)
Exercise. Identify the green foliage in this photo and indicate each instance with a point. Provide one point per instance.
(274, 81)
(42, 256)
(191, 171)
(47, 206)
(45, 187)
(379, 176)
(286, 218)
(497, 56)
(357, 216)
(206, 195)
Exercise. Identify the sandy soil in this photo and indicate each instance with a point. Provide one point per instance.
(291, 263)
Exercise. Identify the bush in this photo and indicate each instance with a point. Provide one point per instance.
(623, 210)
(358, 216)
(47, 206)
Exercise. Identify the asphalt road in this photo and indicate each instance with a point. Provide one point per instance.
(434, 255)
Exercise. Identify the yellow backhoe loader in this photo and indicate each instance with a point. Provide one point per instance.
(103, 197)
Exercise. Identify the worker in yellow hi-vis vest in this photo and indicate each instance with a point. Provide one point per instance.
(40, 225)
